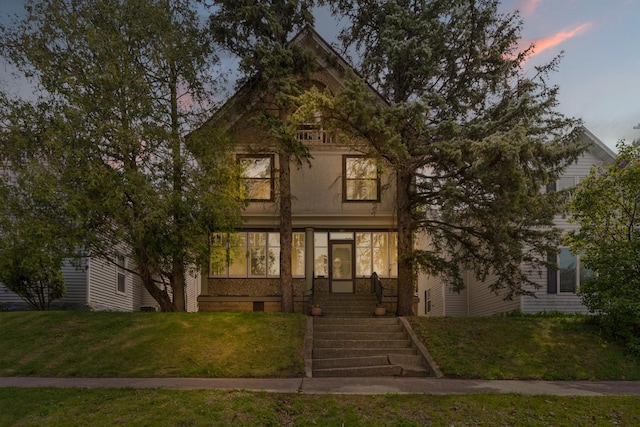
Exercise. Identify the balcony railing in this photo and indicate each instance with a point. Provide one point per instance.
(316, 136)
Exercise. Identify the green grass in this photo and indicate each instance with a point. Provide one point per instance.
(525, 347)
(94, 344)
(107, 407)
(99, 344)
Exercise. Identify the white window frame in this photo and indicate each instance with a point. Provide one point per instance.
(121, 273)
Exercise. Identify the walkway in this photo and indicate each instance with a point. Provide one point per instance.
(366, 386)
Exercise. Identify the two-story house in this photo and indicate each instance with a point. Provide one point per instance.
(343, 221)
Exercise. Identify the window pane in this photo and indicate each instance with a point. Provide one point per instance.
(258, 189)
(566, 182)
(380, 254)
(297, 255)
(341, 236)
(393, 249)
(238, 255)
(273, 262)
(363, 254)
(361, 179)
(362, 189)
(321, 264)
(567, 265)
(258, 167)
(360, 168)
(218, 259)
(257, 177)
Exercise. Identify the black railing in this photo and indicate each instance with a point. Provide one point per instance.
(376, 287)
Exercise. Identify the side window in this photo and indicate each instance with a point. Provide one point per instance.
(257, 176)
(121, 274)
(569, 275)
(361, 181)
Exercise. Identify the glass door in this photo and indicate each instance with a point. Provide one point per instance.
(341, 266)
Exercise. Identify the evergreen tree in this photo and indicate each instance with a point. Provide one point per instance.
(471, 138)
(259, 33)
(122, 84)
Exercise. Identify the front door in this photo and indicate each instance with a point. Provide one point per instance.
(341, 267)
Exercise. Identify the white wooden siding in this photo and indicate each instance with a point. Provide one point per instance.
(563, 303)
(484, 302)
(193, 290)
(432, 283)
(75, 278)
(102, 292)
(456, 303)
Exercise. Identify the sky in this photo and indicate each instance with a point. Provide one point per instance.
(598, 76)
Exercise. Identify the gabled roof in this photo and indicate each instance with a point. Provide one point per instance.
(327, 58)
(597, 147)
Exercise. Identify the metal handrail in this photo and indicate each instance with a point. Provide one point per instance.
(376, 287)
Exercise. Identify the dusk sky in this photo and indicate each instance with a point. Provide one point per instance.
(599, 76)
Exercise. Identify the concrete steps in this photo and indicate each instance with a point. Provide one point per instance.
(363, 347)
(346, 305)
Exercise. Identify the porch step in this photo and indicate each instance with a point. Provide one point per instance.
(362, 347)
(346, 305)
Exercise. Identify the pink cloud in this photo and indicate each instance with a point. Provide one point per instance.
(545, 43)
(529, 6)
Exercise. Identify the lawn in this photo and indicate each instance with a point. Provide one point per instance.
(525, 347)
(107, 407)
(101, 344)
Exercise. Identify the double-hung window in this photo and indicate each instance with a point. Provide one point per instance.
(569, 275)
(361, 181)
(257, 176)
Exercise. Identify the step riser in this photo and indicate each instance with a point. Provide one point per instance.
(379, 336)
(333, 353)
(361, 344)
(350, 362)
(369, 371)
(380, 328)
(372, 321)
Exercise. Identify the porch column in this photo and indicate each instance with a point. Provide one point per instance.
(308, 257)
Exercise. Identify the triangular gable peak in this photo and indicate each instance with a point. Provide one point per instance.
(331, 73)
(597, 147)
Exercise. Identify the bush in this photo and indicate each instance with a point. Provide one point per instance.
(606, 206)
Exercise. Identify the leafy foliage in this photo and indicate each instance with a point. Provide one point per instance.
(274, 71)
(122, 83)
(472, 139)
(606, 206)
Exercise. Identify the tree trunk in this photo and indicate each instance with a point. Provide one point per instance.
(405, 244)
(286, 230)
(178, 285)
(160, 295)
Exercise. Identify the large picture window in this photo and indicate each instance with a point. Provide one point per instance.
(253, 254)
(361, 182)
(257, 176)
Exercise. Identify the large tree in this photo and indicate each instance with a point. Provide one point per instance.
(274, 70)
(123, 83)
(606, 206)
(470, 137)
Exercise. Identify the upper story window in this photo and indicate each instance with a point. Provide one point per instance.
(361, 182)
(258, 176)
